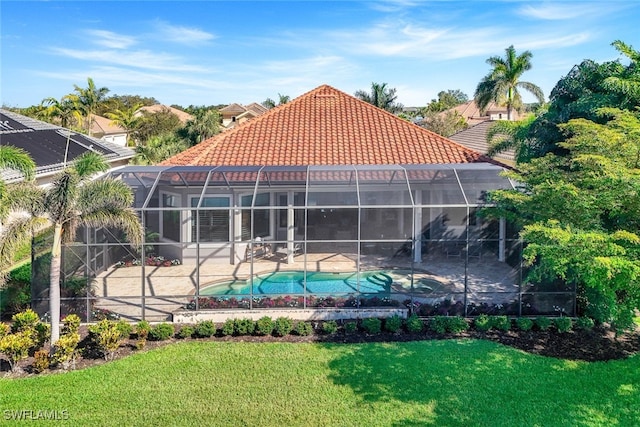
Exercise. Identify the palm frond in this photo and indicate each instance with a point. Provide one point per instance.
(15, 233)
(89, 164)
(17, 159)
(125, 219)
(104, 193)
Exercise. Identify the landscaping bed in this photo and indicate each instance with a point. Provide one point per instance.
(593, 344)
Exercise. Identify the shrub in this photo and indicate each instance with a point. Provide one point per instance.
(161, 332)
(543, 323)
(42, 334)
(524, 323)
(71, 324)
(501, 323)
(304, 328)
(283, 326)
(563, 324)
(482, 323)
(330, 327)
(16, 347)
(456, 324)
(124, 328)
(227, 327)
(106, 336)
(393, 324)
(25, 321)
(4, 329)
(451, 324)
(204, 329)
(264, 326)
(65, 349)
(40, 361)
(584, 323)
(414, 324)
(244, 326)
(188, 331)
(350, 327)
(142, 329)
(372, 325)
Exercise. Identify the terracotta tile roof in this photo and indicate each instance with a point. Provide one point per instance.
(472, 114)
(326, 127)
(103, 126)
(158, 108)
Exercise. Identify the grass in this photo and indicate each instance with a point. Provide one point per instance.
(450, 382)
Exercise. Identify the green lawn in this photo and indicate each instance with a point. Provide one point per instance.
(443, 383)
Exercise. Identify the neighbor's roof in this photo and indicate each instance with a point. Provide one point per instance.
(104, 126)
(472, 113)
(475, 138)
(326, 127)
(158, 108)
(47, 144)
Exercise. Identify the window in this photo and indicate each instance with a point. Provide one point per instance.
(212, 219)
(261, 217)
(170, 219)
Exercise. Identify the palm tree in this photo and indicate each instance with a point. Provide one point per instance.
(627, 83)
(381, 97)
(20, 161)
(270, 103)
(126, 118)
(205, 125)
(502, 83)
(64, 112)
(159, 148)
(88, 99)
(74, 200)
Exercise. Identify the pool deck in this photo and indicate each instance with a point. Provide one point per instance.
(167, 289)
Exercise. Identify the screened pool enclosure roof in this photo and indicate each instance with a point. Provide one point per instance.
(463, 185)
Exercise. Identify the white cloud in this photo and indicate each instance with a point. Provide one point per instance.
(182, 35)
(564, 11)
(110, 39)
(139, 59)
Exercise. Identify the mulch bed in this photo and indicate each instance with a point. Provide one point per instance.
(599, 344)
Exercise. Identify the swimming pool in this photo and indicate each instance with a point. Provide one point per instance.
(293, 282)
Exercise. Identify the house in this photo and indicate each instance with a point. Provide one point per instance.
(104, 129)
(157, 108)
(234, 114)
(52, 147)
(474, 115)
(326, 187)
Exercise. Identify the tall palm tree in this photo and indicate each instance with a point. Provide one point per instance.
(270, 103)
(75, 200)
(503, 81)
(126, 118)
(381, 96)
(64, 112)
(88, 99)
(205, 125)
(158, 148)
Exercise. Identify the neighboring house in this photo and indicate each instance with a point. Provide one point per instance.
(51, 146)
(235, 114)
(104, 129)
(157, 108)
(473, 115)
(475, 138)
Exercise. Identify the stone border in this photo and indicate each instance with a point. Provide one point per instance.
(219, 316)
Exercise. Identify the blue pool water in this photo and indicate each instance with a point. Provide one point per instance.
(292, 282)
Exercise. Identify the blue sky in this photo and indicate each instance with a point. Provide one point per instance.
(219, 52)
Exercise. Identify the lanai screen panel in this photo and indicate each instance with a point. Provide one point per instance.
(439, 184)
(384, 186)
(477, 181)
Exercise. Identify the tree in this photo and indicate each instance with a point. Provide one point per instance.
(88, 100)
(74, 200)
(159, 148)
(445, 123)
(503, 81)
(381, 96)
(203, 126)
(581, 214)
(154, 124)
(627, 83)
(446, 100)
(506, 135)
(270, 103)
(19, 160)
(126, 118)
(64, 112)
